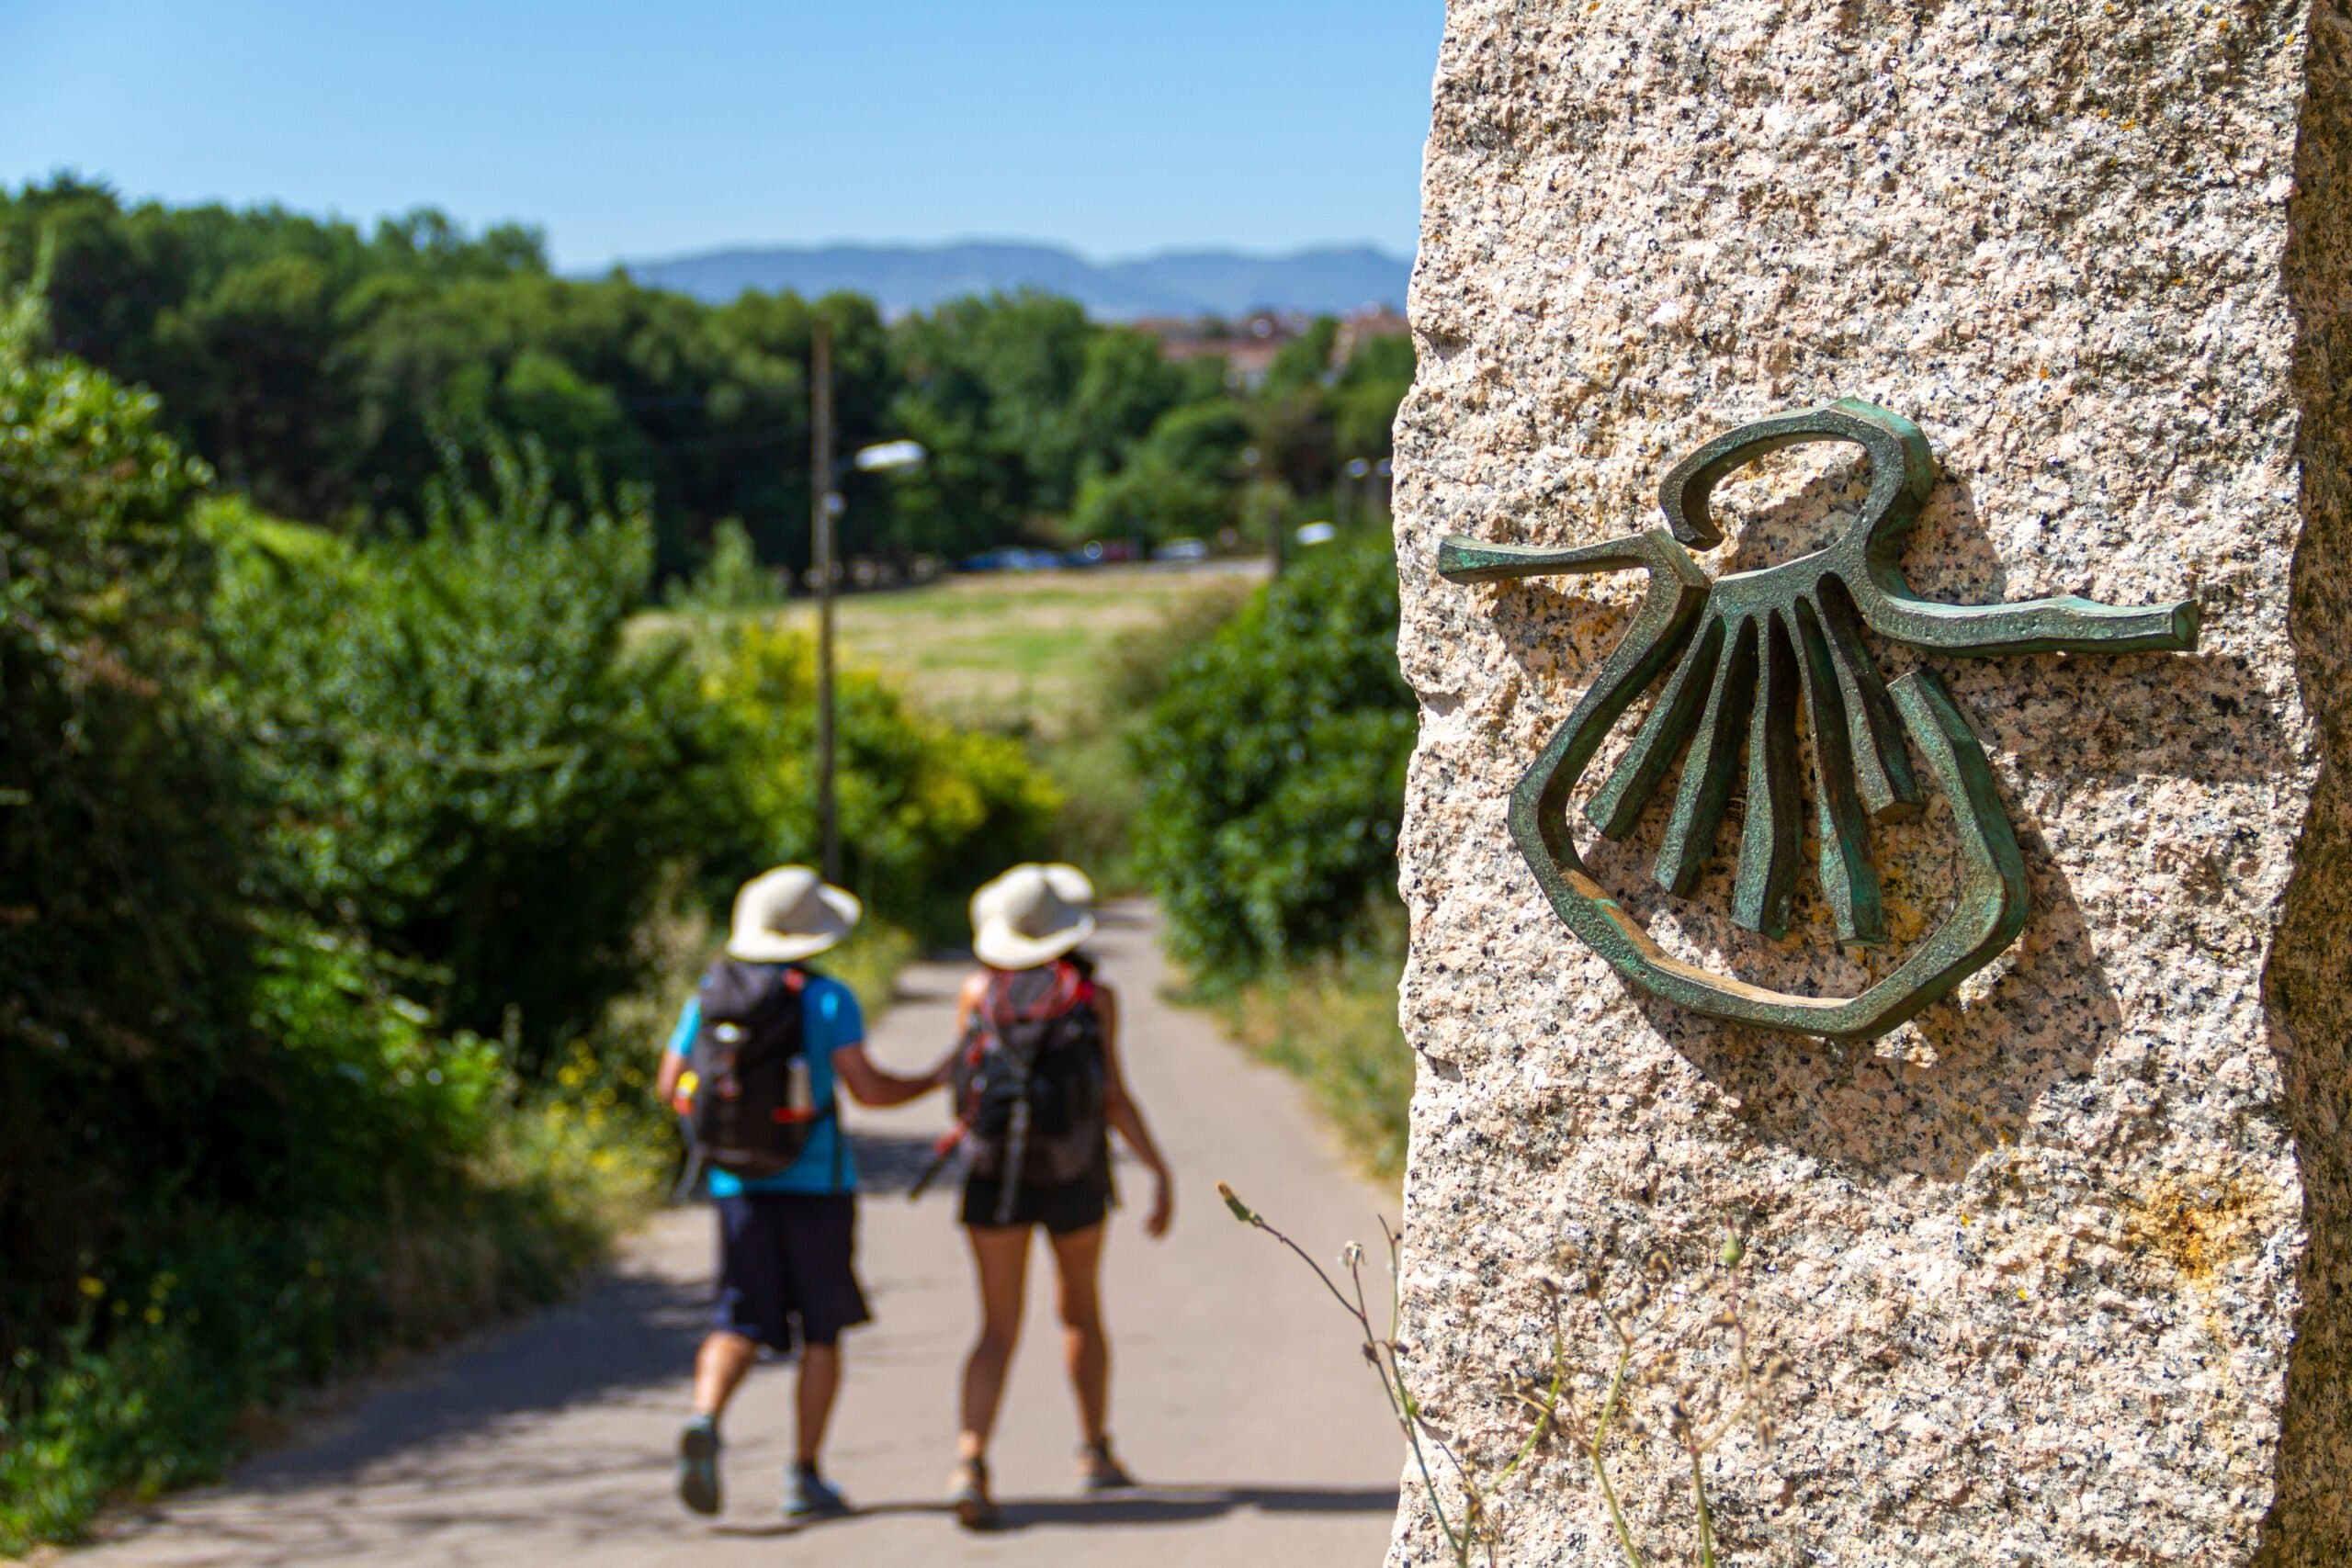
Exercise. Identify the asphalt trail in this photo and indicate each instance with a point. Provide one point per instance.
(1237, 1391)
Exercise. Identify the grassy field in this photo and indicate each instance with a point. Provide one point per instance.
(1011, 650)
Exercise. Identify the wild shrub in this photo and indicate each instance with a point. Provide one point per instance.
(123, 958)
(454, 756)
(1275, 762)
(928, 811)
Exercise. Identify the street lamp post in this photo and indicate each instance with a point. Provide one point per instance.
(820, 525)
(826, 509)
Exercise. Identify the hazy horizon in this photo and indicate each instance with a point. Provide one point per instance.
(1266, 129)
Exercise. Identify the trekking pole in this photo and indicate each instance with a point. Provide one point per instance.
(941, 1153)
(1016, 1155)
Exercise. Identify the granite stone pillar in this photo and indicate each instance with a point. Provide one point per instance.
(2060, 1271)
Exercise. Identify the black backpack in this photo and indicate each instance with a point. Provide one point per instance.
(750, 1110)
(1029, 1081)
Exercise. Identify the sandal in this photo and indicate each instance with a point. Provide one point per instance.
(968, 1494)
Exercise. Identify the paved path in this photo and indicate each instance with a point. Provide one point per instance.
(1236, 1387)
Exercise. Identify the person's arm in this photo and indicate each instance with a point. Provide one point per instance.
(877, 1087)
(1126, 1116)
(674, 1052)
(838, 1028)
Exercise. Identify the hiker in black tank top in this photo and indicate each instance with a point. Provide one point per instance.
(1037, 1093)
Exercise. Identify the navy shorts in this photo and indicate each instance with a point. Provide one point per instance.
(785, 1264)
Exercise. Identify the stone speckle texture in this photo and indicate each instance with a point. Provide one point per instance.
(2062, 1272)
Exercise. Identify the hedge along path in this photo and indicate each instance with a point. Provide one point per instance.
(1236, 1387)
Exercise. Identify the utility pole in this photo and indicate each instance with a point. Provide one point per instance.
(820, 482)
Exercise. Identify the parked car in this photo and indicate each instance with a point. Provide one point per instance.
(1012, 557)
(1181, 550)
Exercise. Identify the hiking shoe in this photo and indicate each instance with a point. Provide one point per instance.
(967, 1493)
(698, 1465)
(807, 1495)
(1098, 1472)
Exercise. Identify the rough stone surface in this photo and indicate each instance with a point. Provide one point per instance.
(2060, 1272)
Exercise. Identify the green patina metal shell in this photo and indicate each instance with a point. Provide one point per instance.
(1738, 655)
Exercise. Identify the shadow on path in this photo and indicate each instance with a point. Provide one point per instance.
(634, 1331)
(1145, 1505)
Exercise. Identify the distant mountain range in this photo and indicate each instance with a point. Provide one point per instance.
(1174, 283)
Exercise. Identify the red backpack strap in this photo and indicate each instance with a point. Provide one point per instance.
(1072, 987)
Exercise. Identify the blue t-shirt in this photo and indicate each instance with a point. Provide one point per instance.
(830, 1019)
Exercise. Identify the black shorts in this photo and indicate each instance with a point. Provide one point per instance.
(1061, 1206)
(784, 1263)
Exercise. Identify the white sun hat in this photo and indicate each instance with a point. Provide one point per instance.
(1073, 885)
(1024, 920)
(788, 914)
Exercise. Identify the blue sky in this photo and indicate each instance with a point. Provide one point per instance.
(1115, 126)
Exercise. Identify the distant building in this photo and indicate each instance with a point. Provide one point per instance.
(1247, 347)
(1360, 327)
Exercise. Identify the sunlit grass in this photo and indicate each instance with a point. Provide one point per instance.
(1016, 651)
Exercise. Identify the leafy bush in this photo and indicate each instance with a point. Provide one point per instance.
(1276, 763)
(190, 1324)
(123, 960)
(238, 1155)
(928, 811)
(732, 580)
(1332, 1022)
(457, 759)
(1094, 759)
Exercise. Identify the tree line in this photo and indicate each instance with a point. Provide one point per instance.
(331, 375)
(343, 879)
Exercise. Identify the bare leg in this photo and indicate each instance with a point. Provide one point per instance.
(720, 1370)
(1001, 1254)
(1077, 1259)
(820, 1380)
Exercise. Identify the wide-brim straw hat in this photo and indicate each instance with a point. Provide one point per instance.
(788, 914)
(1072, 884)
(1024, 920)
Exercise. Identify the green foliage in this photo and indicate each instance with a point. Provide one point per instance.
(1150, 500)
(1176, 481)
(928, 811)
(732, 581)
(1276, 761)
(1365, 401)
(988, 387)
(455, 757)
(191, 1325)
(1332, 1022)
(124, 961)
(239, 1154)
(327, 374)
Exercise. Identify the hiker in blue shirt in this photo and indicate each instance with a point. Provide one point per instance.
(776, 1038)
